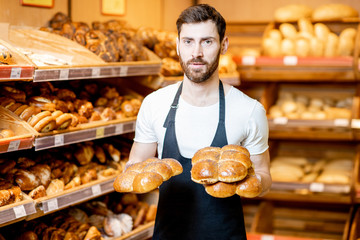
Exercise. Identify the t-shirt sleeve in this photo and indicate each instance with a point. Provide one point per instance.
(144, 132)
(257, 131)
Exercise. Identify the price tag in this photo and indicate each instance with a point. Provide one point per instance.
(96, 190)
(341, 122)
(290, 60)
(13, 146)
(52, 205)
(64, 73)
(267, 237)
(100, 132)
(119, 129)
(281, 120)
(123, 71)
(59, 140)
(317, 187)
(355, 123)
(19, 211)
(15, 73)
(95, 72)
(248, 60)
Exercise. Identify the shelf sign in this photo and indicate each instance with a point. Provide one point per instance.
(290, 60)
(38, 3)
(267, 237)
(96, 190)
(355, 123)
(100, 132)
(113, 7)
(15, 73)
(13, 146)
(248, 60)
(52, 205)
(59, 140)
(19, 211)
(317, 187)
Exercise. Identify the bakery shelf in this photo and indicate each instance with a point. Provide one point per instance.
(275, 220)
(355, 226)
(315, 171)
(142, 232)
(84, 132)
(23, 134)
(16, 212)
(66, 198)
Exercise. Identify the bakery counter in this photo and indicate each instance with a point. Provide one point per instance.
(313, 171)
(280, 221)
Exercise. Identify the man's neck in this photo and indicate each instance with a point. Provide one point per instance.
(201, 94)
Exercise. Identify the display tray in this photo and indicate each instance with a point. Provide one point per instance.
(58, 58)
(316, 111)
(279, 221)
(24, 135)
(20, 68)
(313, 172)
(16, 211)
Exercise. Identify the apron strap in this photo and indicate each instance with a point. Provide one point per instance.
(171, 115)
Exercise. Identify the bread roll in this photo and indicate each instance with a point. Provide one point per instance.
(159, 167)
(175, 165)
(221, 189)
(250, 187)
(124, 181)
(292, 12)
(210, 153)
(146, 182)
(231, 171)
(205, 172)
(321, 31)
(288, 30)
(275, 34)
(316, 47)
(271, 47)
(302, 47)
(237, 148)
(331, 45)
(346, 42)
(305, 25)
(287, 47)
(333, 12)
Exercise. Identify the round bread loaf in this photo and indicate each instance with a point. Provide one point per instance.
(175, 165)
(146, 182)
(292, 12)
(231, 171)
(333, 12)
(159, 167)
(250, 187)
(205, 171)
(221, 189)
(211, 153)
(124, 181)
(237, 148)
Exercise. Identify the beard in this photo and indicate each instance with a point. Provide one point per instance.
(197, 75)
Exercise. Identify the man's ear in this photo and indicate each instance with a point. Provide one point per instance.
(177, 46)
(224, 45)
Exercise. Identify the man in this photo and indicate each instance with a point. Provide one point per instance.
(178, 120)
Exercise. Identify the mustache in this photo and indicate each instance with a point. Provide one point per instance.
(197, 60)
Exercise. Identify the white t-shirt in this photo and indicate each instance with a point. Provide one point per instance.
(195, 127)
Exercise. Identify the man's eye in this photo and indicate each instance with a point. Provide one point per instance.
(207, 42)
(187, 42)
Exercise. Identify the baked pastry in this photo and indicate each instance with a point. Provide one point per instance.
(37, 192)
(45, 125)
(12, 92)
(43, 103)
(6, 133)
(333, 12)
(26, 180)
(250, 187)
(146, 176)
(55, 186)
(292, 12)
(5, 55)
(221, 189)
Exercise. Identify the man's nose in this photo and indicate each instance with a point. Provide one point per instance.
(198, 51)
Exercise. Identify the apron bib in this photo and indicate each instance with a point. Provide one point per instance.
(185, 210)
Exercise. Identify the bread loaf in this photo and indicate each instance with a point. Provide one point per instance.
(147, 175)
(333, 12)
(225, 171)
(292, 12)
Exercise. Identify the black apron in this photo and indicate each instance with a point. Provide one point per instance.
(185, 210)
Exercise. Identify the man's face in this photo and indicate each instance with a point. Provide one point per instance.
(199, 50)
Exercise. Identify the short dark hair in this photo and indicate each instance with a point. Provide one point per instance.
(202, 13)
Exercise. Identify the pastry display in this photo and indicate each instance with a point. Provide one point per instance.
(308, 39)
(148, 175)
(301, 169)
(300, 106)
(225, 171)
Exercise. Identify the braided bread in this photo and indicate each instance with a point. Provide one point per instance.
(225, 171)
(146, 176)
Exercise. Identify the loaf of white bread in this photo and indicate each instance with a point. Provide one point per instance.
(145, 176)
(225, 171)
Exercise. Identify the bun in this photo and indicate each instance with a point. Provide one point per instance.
(45, 125)
(333, 12)
(147, 175)
(292, 13)
(225, 171)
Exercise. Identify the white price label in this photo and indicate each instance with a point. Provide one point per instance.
(341, 122)
(19, 211)
(317, 187)
(123, 71)
(15, 73)
(96, 190)
(290, 60)
(14, 146)
(100, 132)
(52, 205)
(281, 120)
(355, 123)
(64, 73)
(248, 60)
(59, 140)
(119, 129)
(95, 72)
(267, 237)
